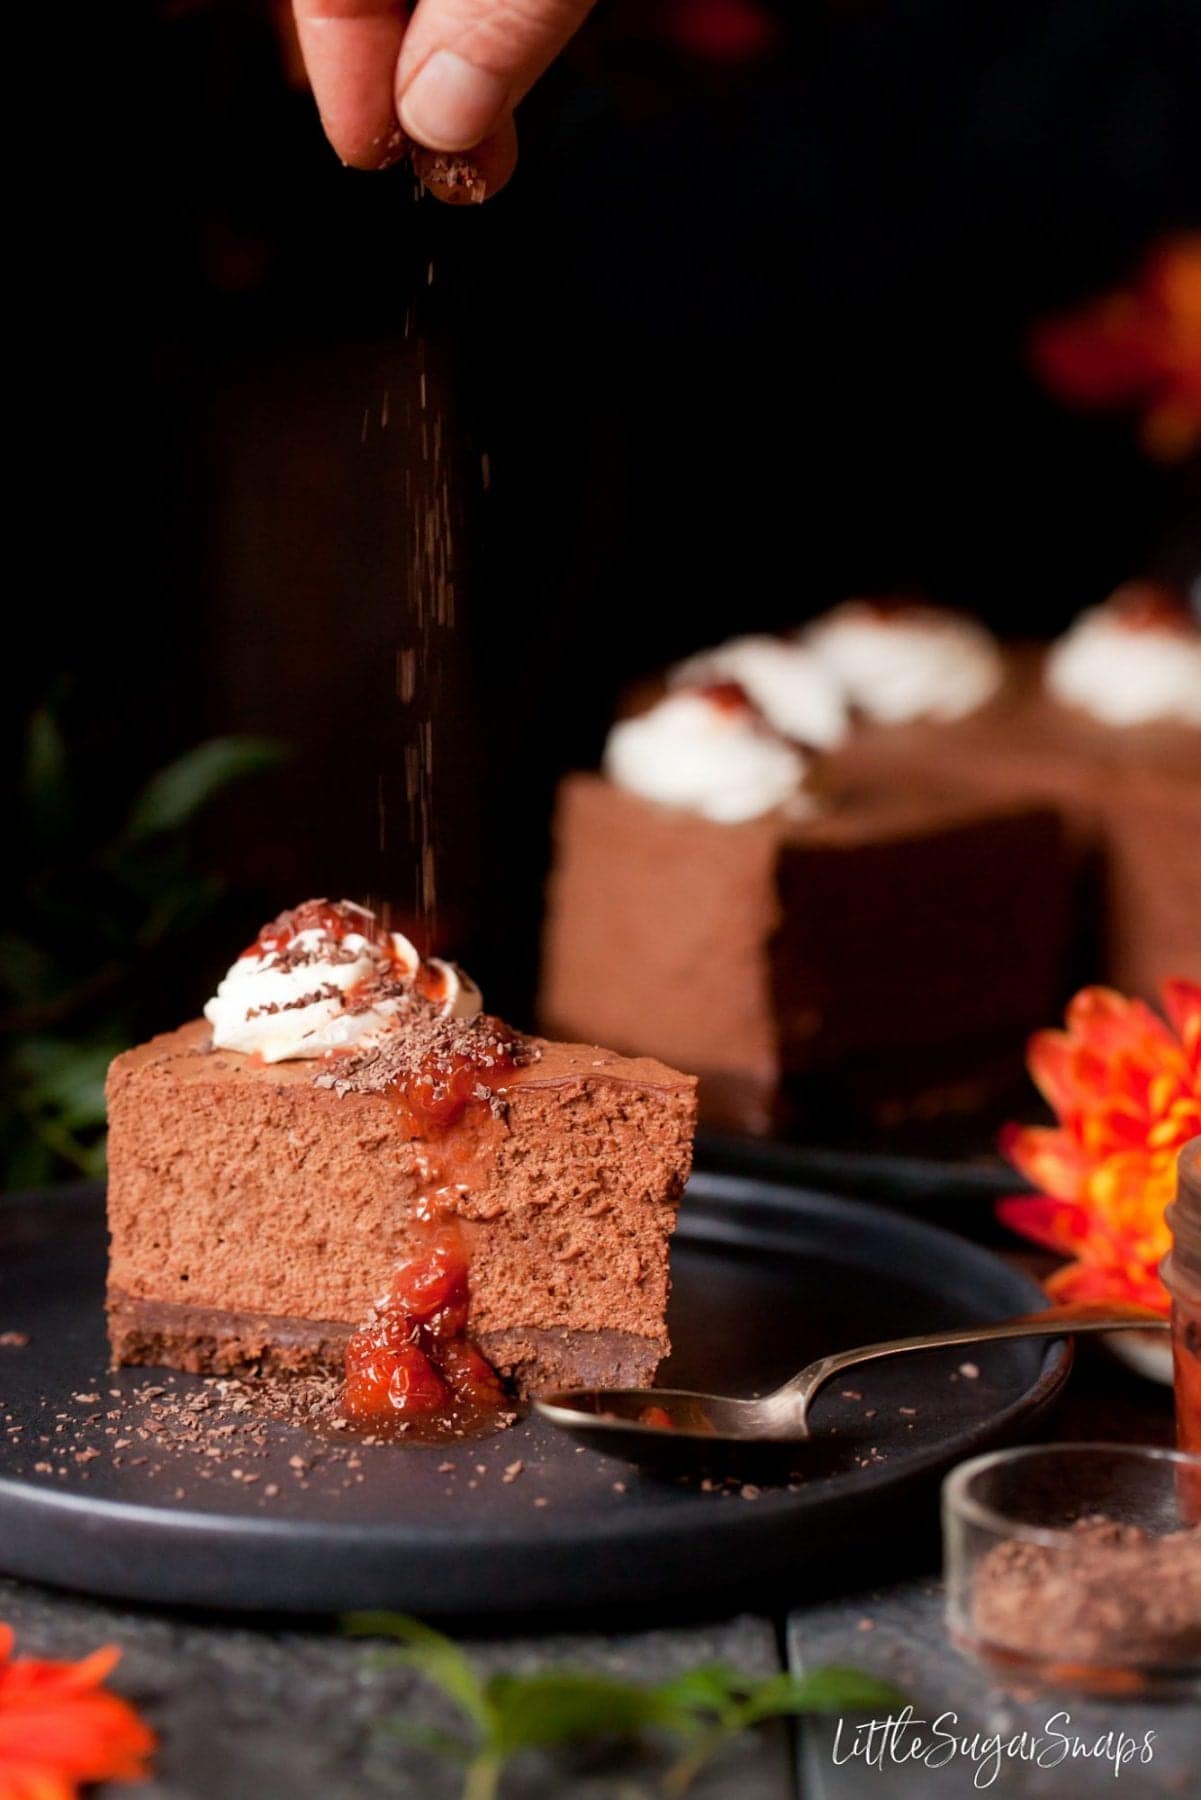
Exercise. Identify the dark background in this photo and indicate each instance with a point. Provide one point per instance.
(745, 334)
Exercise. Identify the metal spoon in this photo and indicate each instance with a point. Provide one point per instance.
(631, 1422)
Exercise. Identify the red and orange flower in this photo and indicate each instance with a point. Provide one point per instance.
(1137, 349)
(1126, 1088)
(60, 1729)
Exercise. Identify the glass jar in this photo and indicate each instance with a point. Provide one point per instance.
(1182, 1278)
(1059, 1563)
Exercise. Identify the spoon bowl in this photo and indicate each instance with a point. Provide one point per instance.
(653, 1426)
(707, 1434)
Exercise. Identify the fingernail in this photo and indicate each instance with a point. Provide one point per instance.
(451, 104)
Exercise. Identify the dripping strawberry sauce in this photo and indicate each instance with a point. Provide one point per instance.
(413, 1369)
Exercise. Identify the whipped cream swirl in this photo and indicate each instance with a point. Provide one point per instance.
(797, 693)
(706, 750)
(903, 662)
(324, 977)
(1135, 659)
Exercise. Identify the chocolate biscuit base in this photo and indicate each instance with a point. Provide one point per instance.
(209, 1341)
(255, 1215)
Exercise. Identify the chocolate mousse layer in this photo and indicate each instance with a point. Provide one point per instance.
(882, 961)
(256, 1213)
(1129, 797)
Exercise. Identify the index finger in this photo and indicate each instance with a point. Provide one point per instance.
(351, 49)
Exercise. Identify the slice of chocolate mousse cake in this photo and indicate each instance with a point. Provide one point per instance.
(348, 1146)
(840, 955)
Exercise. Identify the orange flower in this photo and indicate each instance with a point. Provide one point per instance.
(59, 1728)
(1139, 348)
(1127, 1092)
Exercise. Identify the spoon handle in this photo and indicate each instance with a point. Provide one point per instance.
(1056, 1321)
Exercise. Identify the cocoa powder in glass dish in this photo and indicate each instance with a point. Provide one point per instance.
(1077, 1565)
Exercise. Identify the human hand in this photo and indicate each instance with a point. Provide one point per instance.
(445, 75)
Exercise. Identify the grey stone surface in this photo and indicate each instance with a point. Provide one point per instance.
(899, 1634)
(255, 1712)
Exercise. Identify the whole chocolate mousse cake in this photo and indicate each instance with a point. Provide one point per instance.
(818, 952)
(841, 874)
(348, 1152)
(1104, 726)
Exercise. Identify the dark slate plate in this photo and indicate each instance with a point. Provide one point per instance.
(765, 1278)
(959, 1192)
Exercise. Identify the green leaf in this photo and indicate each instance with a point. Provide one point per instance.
(46, 784)
(66, 1079)
(177, 793)
(556, 1707)
(712, 1688)
(45, 753)
(740, 1704)
(430, 1654)
(838, 1688)
(29, 1163)
(85, 1158)
(483, 1776)
(27, 972)
(705, 1707)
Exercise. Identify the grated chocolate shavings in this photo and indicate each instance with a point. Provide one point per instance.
(327, 991)
(380, 987)
(419, 1042)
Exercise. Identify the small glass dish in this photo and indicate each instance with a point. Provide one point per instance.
(1058, 1573)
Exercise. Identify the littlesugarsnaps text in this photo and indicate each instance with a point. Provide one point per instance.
(903, 1737)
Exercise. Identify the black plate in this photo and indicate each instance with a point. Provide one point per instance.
(959, 1192)
(765, 1278)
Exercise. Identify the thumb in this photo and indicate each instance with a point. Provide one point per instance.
(464, 64)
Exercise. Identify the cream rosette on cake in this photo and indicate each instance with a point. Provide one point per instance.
(900, 663)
